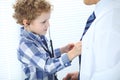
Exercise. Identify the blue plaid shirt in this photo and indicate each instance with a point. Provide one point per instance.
(36, 62)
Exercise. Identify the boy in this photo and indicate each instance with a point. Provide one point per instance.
(33, 52)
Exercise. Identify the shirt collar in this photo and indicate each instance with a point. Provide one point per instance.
(29, 35)
(101, 6)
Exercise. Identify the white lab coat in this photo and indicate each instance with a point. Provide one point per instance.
(101, 44)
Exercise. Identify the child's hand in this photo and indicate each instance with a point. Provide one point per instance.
(67, 48)
(75, 51)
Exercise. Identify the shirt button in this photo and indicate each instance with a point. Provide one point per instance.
(66, 64)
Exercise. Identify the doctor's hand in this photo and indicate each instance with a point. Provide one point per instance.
(71, 76)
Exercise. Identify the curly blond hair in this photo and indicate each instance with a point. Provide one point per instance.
(29, 9)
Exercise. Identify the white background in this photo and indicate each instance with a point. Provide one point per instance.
(67, 23)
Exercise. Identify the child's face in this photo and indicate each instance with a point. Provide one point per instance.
(40, 24)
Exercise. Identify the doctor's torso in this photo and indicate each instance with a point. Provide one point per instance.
(101, 45)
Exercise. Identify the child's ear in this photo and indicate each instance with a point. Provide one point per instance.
(25, 22)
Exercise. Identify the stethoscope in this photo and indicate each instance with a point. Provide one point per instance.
(49, 49)
(51, 53)
(51, 44)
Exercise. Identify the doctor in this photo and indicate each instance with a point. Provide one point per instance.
(101, 44)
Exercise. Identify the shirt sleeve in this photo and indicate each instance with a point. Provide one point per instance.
(57, 53)
(37, 56)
